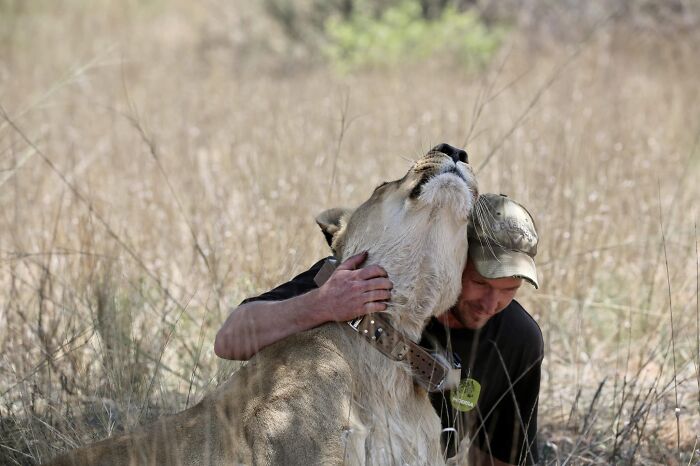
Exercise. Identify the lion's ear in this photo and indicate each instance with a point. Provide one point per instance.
(330, 222)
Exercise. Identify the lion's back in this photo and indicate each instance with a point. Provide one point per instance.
(289, 403)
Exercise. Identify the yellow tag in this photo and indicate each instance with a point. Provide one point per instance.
(464, 397)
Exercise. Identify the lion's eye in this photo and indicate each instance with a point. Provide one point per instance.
(381, 185)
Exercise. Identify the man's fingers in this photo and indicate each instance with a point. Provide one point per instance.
(375, 306)
(371, 271)
(377, 295)
(353, 262)
(379, 283)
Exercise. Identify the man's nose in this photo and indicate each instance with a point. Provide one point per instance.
(489, 302)
(458, 155)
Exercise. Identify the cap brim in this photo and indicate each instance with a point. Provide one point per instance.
(494, 262)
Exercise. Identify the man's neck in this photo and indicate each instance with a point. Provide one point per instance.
(450, 319)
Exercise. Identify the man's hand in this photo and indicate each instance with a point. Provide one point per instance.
(351, 292)
(348, 293)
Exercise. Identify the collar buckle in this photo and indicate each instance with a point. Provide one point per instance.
(355, 323)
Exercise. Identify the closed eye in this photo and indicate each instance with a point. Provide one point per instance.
(381, 185)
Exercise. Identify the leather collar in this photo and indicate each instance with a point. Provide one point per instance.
(431, 371)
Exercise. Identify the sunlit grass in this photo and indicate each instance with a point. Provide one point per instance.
(175, 173)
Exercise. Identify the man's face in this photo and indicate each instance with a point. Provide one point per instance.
(481, 298)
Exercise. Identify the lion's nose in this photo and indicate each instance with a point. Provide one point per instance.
(458, 155)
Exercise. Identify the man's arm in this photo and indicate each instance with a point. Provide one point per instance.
(348, 293)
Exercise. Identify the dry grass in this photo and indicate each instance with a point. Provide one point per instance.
(158, 164)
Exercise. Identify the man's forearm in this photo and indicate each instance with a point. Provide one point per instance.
(255, 325)
(348, 293)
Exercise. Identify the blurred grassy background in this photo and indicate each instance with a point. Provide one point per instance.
(160, 161)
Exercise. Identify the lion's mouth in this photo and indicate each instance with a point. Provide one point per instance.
(418, 188)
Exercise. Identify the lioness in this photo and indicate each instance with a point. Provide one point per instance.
(327, 396)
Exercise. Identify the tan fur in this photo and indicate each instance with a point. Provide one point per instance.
(326, 396)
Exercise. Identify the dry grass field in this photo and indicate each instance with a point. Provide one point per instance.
(160, 161)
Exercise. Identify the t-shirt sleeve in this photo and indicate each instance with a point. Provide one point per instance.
(302, 283)
(510, 432)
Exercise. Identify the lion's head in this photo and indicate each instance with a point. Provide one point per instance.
(416, 228)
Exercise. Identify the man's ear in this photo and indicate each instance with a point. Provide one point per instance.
(330, 222)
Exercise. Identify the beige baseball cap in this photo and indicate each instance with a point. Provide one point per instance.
(503, 239)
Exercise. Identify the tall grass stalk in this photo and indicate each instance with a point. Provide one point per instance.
(139, 203)
(677, 409)
(697, 313)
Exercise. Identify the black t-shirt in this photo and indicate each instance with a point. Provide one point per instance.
(503, 358)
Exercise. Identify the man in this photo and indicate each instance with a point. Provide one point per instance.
(493, 412)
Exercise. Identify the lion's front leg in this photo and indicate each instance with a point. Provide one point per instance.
(354, 439)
